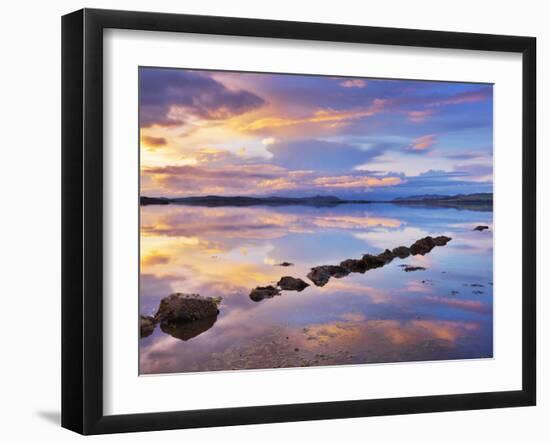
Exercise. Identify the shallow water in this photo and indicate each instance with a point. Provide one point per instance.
(384, 315)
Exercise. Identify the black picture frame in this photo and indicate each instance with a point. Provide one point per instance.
(82, 218)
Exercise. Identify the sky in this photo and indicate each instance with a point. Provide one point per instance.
(237, 133)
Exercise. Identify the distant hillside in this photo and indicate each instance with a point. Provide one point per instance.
(479, 197)
(216, 200)
(482, 201)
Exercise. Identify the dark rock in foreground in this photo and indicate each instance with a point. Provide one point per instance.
(442, 240)
(368, 262)
(422, 246)
(401, 252)
(187, 330)
(146, 325)
(180, 308)
(353, 265)
(426, 244)
(386, 256)
(413, 268)
(373, 261)
(285, 264)
(261, 292)
(320, 275)
(292, 284)
(481, 228)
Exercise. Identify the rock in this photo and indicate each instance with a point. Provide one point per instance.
(422, 246)
(481, 228)
(261, 292)
(217, 300)
(373, 261)
(413, 268)
(187, 330)
(401, 252)
(320, 275)
(442, 240)
(386, 256)
(353, 265)
(292, 284)
(179, 308)
(146, 325)
(285, 264)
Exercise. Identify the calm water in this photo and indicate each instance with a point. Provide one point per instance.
(384, 315)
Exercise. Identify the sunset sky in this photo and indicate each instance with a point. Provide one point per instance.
(228, 133)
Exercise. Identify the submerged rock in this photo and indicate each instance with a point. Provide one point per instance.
(146, 325)
(401, 252)
(320, 275)
(179, 308)
(261, 292)
(481, 228)
(292, 284)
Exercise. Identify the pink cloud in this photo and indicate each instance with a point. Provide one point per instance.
(350, 181)
(418, 116)
(465, 97)
(353, 83)
(249, 179)
(423, 143)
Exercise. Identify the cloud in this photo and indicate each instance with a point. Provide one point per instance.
(476, 172)
(423, 143)
(268, 141)
(350, 181)
(418, 116)
(324, 115)
(154, 258)
(151, 142)
(171, 97)
(199, 180)
(253, 179)
(354, 83)
(477, 95)
(323, 155)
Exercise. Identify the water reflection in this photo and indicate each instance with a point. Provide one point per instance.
(187, 330)
(384, 315)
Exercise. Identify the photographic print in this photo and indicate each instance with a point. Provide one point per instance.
(292, 220)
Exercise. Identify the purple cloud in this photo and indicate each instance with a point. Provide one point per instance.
(170, 97)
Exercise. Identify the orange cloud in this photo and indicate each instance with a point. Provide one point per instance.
(155, 258)
(466, 97)
(247, 179)
(350, 181)
(319, 116)
(151, 142)
(423, 143)
(418, 116)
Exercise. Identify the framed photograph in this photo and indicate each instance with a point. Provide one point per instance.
(269, 221)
